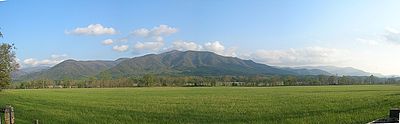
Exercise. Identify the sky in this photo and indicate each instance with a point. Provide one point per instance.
(363, 34)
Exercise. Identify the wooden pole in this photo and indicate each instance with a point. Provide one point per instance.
(12, 115)
(9, 115)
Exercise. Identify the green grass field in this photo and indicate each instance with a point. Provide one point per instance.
(314, 104)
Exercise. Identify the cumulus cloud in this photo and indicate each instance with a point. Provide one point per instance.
(161, 30)
(143, 32)
(121, 48)
(153, 46)
(54, 59)
(108, 42)
(185, 45)
(215, 46)
(230, 52)
(219, 48)
(153, 39)
(300, 57)
(93, 29)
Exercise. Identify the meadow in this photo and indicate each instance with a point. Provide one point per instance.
(297, 104)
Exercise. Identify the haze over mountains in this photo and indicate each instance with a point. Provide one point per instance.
(347, 71)
(176, 63)
(26, 71)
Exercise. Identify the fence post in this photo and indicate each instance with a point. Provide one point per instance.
(9, 115)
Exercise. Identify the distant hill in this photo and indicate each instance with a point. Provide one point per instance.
(305, 71)
(72, 69)
(198, 63)
(25, 71)
(346, 71)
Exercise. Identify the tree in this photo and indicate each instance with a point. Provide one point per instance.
(8, 64)
(332, 80)
(290, 80)
(371, 79)
(149, 80)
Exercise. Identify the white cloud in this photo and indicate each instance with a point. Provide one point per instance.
(153, 41)
(121, 48)
(161, 30)
(31, 61)
(218, 48)
(54, 59)
(153, 38)
(143, 32)
(158, 39)
(230, 51)
(183, 46)
(93, 29)
(300, 57)
(153, 46)
(108, 42)
(215, 46)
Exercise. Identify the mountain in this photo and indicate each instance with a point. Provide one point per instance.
(200, 63)
(177, 63)
(305, 71)
(25, 71)
(347, 71)
(72, 69)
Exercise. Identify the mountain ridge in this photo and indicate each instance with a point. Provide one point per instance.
(184, 63)
(342, 71)
(71, 69)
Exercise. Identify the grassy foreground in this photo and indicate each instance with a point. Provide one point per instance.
(314, 104)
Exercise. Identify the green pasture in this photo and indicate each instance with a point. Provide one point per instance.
(301, 104)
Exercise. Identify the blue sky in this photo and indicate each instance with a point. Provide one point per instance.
(359, 33)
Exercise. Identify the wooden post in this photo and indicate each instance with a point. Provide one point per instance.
(9, 115)
(6, 116)
(394, 113)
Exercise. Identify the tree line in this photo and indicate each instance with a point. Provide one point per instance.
(150, 80)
